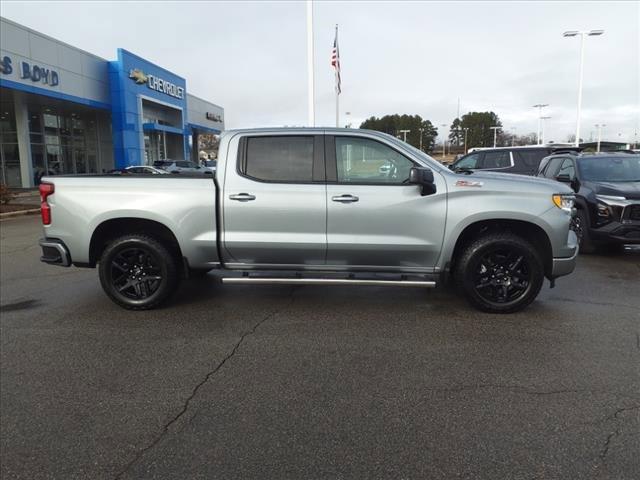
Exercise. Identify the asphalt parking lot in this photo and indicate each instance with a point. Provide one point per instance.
(315, 382)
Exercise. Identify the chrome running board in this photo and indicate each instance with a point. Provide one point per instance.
(325, 281)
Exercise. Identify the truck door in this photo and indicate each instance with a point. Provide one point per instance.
(374, 217)
(274, 201)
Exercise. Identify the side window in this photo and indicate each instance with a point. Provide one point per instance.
(279, 159)
(184, 164)
(530, 158)
(470, 161)
(360, 160)
(500, 159)
(567, 168)
(552, 169)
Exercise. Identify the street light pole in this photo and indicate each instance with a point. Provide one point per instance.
(495, 134)
(543, 122)
(466, 129)
(444, 140)
(405, 134)
(421, 134)
(599, 127)
(513, 135)
(539, 106)
(574, 33)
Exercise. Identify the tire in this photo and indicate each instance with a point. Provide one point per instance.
(499, 272)
(138, 272)
(581, 227)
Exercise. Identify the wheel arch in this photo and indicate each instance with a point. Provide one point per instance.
(528, 230)
(113, 228)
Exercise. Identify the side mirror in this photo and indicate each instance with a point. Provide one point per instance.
(424, 177)
(564, 178)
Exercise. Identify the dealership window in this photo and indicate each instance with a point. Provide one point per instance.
(62, 141)
(9, 157)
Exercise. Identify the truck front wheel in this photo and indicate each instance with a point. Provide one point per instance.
(138, 272)
(500, 272)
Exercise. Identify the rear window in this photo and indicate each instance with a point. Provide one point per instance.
(279, 159)
(531, 158)
(496, 160)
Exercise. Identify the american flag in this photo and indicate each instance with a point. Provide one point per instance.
(335, 62)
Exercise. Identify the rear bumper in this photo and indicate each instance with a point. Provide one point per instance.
(566, 265)
(54, 252)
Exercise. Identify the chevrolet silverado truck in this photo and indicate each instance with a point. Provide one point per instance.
(314, 206)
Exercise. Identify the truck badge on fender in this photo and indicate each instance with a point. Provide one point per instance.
(468, 183)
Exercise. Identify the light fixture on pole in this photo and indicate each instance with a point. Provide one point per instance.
(405, 134)
(444, 140)
(574, 33)
(539, 106)
(495, 134)
(599, 126)
(543, 122)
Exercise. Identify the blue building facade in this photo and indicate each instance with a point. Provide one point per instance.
(64, 110)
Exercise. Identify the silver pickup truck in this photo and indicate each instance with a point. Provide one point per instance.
(314, 207)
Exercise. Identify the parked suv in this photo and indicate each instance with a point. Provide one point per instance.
(607, 187)
(521, 160)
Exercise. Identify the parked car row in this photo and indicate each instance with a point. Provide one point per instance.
(607, 186)
(163, 167)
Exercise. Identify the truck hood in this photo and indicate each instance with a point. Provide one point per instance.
(629, 190)
(515, 179)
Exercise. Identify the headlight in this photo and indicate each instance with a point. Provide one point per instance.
(564, 201)
(610, 207)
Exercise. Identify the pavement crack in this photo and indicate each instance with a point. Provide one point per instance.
(607, 443)
(194, 391)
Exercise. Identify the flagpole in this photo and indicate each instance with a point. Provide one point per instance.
(310, 74)
(337, 91)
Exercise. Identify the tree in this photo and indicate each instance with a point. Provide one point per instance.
(456, 133)
(392, 124)
(479, 125)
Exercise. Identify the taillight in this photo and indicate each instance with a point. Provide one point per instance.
(46, 189)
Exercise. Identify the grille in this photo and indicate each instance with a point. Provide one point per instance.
(634, 212)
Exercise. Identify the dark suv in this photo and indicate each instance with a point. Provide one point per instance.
(607, 187)
(520, 160)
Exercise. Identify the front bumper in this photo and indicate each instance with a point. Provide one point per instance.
(54, 252)
(566, 265)
(618, 232)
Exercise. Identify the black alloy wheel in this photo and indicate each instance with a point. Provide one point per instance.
(499, 272)
(138, 272)
(502, 275)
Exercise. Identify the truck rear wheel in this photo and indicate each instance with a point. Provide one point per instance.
(138, 272)
(500, 272)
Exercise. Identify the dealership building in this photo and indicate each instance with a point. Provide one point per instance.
(63, 110)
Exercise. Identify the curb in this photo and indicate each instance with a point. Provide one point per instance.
(19, 213)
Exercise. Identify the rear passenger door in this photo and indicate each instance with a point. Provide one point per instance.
(274, 201)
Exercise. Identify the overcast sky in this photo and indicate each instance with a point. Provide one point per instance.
(397, 57)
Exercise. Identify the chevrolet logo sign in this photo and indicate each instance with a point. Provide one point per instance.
(138, 75)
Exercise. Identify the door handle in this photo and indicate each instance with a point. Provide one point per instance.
(345, 198)
(242, 197)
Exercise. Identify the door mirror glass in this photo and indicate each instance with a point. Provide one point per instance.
(423, 177)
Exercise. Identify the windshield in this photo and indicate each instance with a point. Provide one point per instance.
(622, 168)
